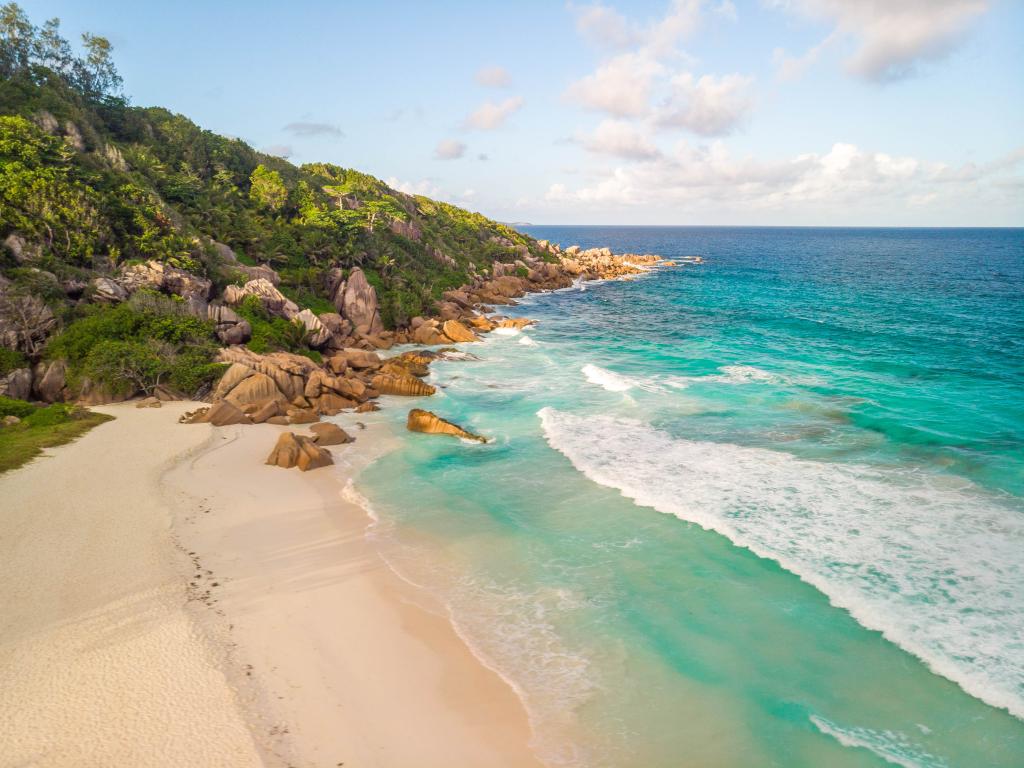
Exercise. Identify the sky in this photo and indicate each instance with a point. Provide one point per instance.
(718, 112)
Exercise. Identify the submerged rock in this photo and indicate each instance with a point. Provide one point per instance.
(432, 424)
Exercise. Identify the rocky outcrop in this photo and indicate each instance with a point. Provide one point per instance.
(108, 291)
(272, 299)
(317, 335)
(17, 384)
(229, 326)
(23, 251)
(222, 414)
(160, 277)
(299, 451)
(408, 386)
(49, 381)
(457, 332)
(356, 301)
(149, 402)
(326, 433)
(432, 424)
(407, 229)
(256, 388)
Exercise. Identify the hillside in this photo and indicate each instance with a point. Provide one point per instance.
(126, 224)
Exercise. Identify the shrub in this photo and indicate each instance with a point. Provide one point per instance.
(51, 415)
(269, 332)
(11, 360)
(125, 367)
(146, 341)
(11, 407)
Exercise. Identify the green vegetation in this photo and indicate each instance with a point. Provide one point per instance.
(40, 427)
(89, 183)
(270, 333)
(10, 360)
(147, 341)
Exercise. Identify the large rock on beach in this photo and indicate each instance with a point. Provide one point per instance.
(299, 451)
(221, 414)
(326, 433)
(432, 424)
(408, 386)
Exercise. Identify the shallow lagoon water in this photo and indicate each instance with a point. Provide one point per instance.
(764, 511)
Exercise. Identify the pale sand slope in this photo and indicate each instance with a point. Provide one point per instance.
(100, 664)
(343, 661)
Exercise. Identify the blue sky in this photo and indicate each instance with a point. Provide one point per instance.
(809, 112)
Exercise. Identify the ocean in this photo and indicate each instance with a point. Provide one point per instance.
(763, 511)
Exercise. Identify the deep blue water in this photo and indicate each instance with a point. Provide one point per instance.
(831, 424)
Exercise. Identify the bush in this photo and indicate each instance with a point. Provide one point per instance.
(146, 341)
(51, 415)
(125, 367)
(11, 407)
(269, 332)
(11, 360)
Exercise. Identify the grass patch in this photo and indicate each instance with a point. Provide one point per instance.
(41, 428)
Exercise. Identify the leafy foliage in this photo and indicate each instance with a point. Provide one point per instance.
(90, 183)
(147, 341)
(11, 360)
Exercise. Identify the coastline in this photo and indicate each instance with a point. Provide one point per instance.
(337, 658)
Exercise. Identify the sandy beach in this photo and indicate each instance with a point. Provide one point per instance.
(169, 600)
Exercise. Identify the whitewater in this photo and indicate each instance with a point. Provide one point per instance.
(767, 509)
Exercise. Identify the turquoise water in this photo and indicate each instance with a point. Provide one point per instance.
(768, 511)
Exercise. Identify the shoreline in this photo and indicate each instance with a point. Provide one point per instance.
(304, 551)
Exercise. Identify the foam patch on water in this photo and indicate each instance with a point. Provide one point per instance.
(891, 746)
(617, 382)
(937, 567)
(743, 374)
(506, 332)
(526, 341)
(609, 380)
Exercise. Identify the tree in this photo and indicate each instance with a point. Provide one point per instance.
(25, 322)
(267, 189)
(16, 40)
(28, 50)
(97, 74)
(125, 367)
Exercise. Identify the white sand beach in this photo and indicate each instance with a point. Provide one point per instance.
(219, 612)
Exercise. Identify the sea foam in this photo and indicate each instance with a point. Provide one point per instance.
(893, 747)
(936, 567)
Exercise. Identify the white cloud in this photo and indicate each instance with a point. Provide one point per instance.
(278, 150)
(709, 106)
(489, 115)
(314, 129)
(604, 26)
(621, 86)
(449, 149)
(894, 36)
(423, 187)
(494, 77)
(792, 67)
(845, 177)
(621, 139)
(624, 84)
